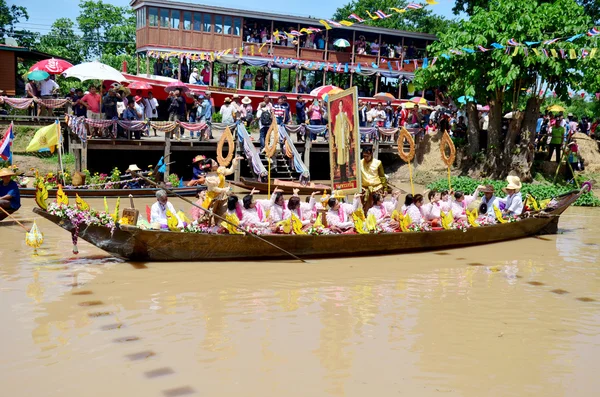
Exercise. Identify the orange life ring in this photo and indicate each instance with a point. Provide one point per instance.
(227, 136)
(446, 143)
(405, 136)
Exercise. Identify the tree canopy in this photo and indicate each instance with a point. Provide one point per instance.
(422, 20)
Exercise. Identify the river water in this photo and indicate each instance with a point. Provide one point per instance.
(518, 318)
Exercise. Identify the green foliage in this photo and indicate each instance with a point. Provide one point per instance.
(540, 191)
(62, 41)
(422, 20)
(9, 16)
(174, 180)
(115, 175)
(217, 117)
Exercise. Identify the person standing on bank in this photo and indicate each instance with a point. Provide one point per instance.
(176, 110)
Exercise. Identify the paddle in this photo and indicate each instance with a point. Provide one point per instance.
(223, 219)
(14, 219)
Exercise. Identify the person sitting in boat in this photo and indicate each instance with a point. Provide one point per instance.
(488, 202)
(432, 211)
(459, 206)
(10, 197)
(339, 216)
(408, 200)
(302, 210)
(198, 171)
(277, 207)
(445, 201)
(254, 213)
(319, 207)
(158, 212)
(382, 211)
(131, 176)
(513, 202)
(373, 176)
(197, 210)
(215, 182)
(414, 210)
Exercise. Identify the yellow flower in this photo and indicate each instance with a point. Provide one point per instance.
(149, 174)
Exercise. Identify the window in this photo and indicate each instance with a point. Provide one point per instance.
(197, 21)
(164, 18)
(175, 19)
(153, 14)
(237, 26)
(207, 23)
(227, 25)
(187, 20)
(218, 24)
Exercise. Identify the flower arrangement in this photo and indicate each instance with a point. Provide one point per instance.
(115, 175)
(419, 227)
(255, 230)
(317, 231)
(486, 221)
(78, 217)
(198, 228)
(174, 180)
(461, 224)
(512, 219)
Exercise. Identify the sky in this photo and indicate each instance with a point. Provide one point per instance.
(43, 12)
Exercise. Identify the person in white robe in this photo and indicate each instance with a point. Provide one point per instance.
(158, 212)
(339, 215)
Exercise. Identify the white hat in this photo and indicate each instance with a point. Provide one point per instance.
(246, 100)
(133, 167)
(195, 70)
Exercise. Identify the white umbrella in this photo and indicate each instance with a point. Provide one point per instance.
(94, 71)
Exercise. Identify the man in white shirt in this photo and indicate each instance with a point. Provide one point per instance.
(158, 212)
(47, 89)
(195, 77)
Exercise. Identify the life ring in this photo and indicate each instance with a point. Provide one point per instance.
(270, 149)
(446, 143)
(405, 136)
(227, 136)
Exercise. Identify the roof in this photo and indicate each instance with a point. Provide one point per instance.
(27, 53)
(277, 17)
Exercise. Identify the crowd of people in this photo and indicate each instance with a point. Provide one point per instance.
(378, 204)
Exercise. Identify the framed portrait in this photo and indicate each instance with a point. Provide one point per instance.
(344, 141)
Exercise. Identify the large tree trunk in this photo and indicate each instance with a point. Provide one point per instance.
(494, 144)
(473, 128)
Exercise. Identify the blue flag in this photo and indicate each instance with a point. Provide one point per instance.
(161, 167)
(181, 182)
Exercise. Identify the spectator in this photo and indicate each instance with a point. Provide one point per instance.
(195, 77)
(280, 111)
(132, 114)
(232, 78)
(246, 111)
(79, 110)
(151, 109)
(227, 112)
(158, 67)
(48, 88)
(302, 87)
(222, 79)
(185, 70)
(300, 116)
(557, 135)
(375, 48)
(176, 110)
(265, 119)
(259, 81)
(248, 76)
(31, 91)
(91, 101)
(380, 116)
(206, 74)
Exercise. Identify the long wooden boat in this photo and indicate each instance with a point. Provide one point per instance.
(100, 193)
(287, 187)
(154, 245)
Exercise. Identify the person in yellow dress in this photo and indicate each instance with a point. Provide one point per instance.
(342, 141)
(215, 184)
(372, 176)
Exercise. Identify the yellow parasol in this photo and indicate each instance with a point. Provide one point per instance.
(555, 108)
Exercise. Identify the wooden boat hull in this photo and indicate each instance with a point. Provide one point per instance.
(263, 187)
(100, 193)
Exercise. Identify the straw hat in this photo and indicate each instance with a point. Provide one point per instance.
(133, 168)
(514, 183)
(6, 172)
(488, 189)
(227, 100)
(235, 96)
(246, 100)
(198, 158)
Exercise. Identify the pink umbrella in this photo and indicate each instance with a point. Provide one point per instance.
(326, 89)
(176, 85)
(419, 100)
(139, 85)
(385, 96)
(52, 66)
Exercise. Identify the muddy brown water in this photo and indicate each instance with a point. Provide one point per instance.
(510, 319)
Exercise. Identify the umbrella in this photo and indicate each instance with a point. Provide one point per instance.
(385, 96)
(342, 43)
(139, 85)
(465, 98)
(556, 108)
(326, 89)
(176, 85)
(418, 100)
(52, 66)
(94, 71)
(38, 75)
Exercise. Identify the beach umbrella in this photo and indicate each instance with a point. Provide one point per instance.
(326, 89)
(342, 43)
(386, 96)
(139, 85)
(176, 85)
(94, 71)
(556, 108)
(52, 66)
(38, 75)
(465, 98)
(419, 100)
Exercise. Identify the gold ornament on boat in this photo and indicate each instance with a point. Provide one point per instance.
(447, 220)
(172, 221)
(81, 204)
(447, 144)
(41, 195)
(405, 136)
(34, 238)
(359, 221)
(499, 215)
(270, 141)
(472, 217)
(61, 197)
(227, 136)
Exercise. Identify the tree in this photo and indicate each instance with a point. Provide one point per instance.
(422, 20)
(9, 16)
(505, 81)
(62, 41)
(106, 28)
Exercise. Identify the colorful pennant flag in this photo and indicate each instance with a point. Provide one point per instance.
(512, 42)
(334, 23)
(6, 144)
(593, 52)
(382, 14)
(324, 23)
(347, 23)
(571, 39)
(482, 48)
(398, 10)
(414, 6)
(497, 46)
(572, 54)
(371, 15)
(356, 18)
(548, 42)
(593, 32)
(554, 53)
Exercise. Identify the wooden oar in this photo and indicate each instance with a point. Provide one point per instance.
(14, 219)
(224, 220)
